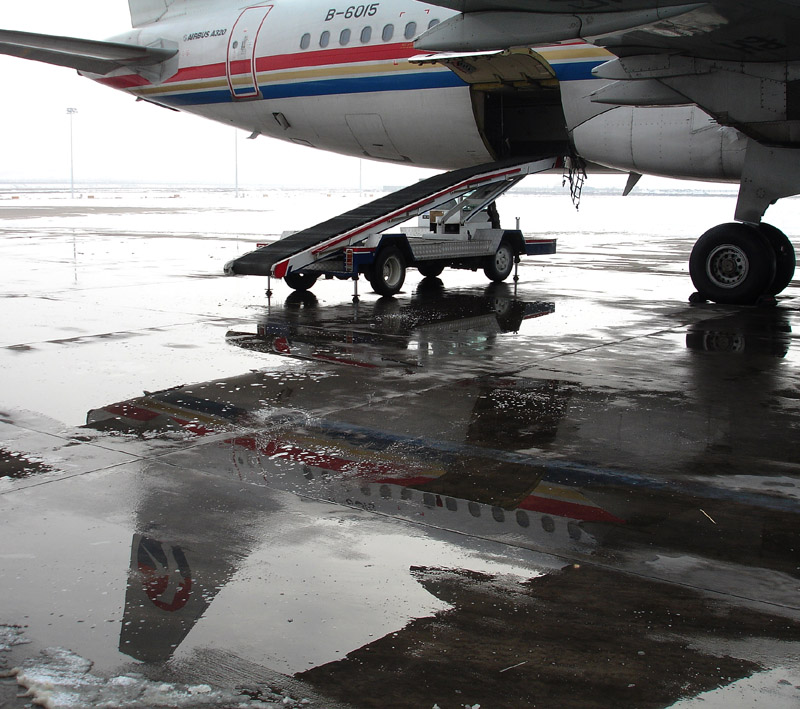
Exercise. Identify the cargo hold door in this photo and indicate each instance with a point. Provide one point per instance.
(241, 63)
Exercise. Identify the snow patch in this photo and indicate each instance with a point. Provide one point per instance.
(60, 679)
(11, 635)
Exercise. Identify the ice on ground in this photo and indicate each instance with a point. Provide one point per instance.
(10, 635)
(57, 678)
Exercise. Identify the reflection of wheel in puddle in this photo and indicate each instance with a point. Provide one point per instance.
(387, 312)
(301, 299)
(724, 342)
(501, 306)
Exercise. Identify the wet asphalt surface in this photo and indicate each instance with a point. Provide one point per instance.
(577, 492)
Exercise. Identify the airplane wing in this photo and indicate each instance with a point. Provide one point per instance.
(729, 30)
(738, 60)
(82, 54)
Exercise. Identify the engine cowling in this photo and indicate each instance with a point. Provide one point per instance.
(673, 141)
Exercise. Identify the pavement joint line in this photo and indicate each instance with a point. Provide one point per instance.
(104, 335)
(621, 341)
(69, 439)
(63, 478)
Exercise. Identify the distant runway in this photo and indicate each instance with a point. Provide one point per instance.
(579, 491)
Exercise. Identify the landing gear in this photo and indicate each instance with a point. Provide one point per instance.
(784, 257)
(740, 263)
(388, 272)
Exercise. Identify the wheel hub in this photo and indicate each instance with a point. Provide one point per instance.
(391, 271)
(727, 266)
(501, 259)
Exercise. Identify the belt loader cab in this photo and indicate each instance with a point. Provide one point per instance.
(462, 231)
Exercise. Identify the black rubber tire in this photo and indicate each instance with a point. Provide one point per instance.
(430, 269)
(732, 263)
(785, 259)
(499, 266)
(388, 272)
(300, 281)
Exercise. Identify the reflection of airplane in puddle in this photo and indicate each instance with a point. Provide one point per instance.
(491, 456)
(435, 324)
(426, 467)
(540, 463)
(534, 463)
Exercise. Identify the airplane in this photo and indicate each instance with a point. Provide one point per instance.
(702, 91)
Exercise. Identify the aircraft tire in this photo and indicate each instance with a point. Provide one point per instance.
(733, 264)
(388, 273)
(499, 266)
(785, 259)
(300, 281)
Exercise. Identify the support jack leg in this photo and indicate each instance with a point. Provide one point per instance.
(269, 286)
(355, 289)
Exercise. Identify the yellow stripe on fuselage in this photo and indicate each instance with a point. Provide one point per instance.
(286, 75)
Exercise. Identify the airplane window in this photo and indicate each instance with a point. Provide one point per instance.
(344, 37)
(388, 33)
(324, 38)
(433, 23)
(366, 35)
(305, 41)
(411, 30)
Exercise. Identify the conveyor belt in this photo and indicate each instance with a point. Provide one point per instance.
(261, 261)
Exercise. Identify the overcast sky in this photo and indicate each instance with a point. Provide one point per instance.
(118, 139)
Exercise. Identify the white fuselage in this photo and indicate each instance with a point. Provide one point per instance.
(337, 76)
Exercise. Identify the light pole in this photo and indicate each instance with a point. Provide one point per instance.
(236, 159)
(71, 112)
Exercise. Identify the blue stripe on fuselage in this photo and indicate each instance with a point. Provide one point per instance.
(397, 82)
(576, 71)
(328, 87)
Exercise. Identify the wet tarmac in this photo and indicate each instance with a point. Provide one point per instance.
(580, 491)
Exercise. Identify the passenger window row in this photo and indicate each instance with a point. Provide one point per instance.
(409, 32)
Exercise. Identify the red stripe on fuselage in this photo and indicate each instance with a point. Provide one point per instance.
(570, 510)
(297, 60)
